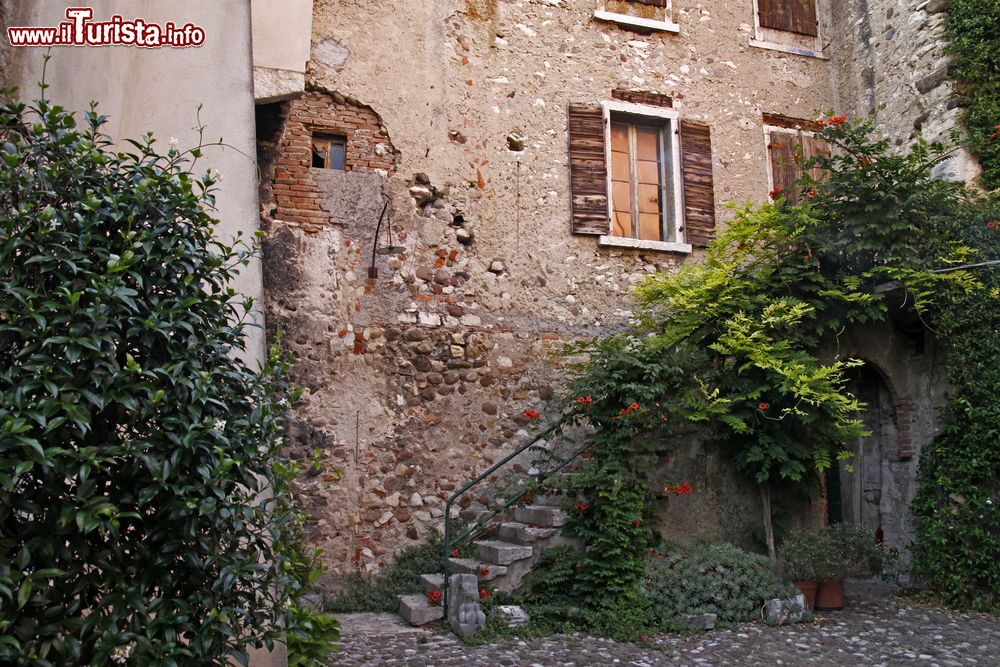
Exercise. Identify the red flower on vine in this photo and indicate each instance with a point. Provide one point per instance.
(762, 406)
(485, 572)
(992, 224)
(585, 400)
(679, 489)
(996, 132)
(775, 193)
(483, 594)
(812, 193)
(838, 120)
(581, 507)
(455, 553)
(637, 523)
(434, 597)
(531, 414)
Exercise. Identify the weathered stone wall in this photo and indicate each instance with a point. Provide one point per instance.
(416, 380)
(889, 58)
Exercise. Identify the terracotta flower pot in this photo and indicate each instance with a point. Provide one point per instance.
(830, 595)
(808, 588)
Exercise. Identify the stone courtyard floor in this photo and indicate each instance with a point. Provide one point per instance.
(874, 629)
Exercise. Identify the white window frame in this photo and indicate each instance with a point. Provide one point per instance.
(667, 25)
(788, 42)
(675, 186)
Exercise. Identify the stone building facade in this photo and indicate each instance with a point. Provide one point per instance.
(443, 208)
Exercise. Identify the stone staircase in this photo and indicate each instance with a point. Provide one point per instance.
(503, 558)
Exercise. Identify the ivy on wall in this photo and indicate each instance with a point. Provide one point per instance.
(974, 31)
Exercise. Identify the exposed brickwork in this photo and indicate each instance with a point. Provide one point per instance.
(368, 148)
(903, 423)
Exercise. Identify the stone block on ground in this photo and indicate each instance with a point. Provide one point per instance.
(701, 621)
(513, 615)
(417, 609)
(501, 553)
(780, 611)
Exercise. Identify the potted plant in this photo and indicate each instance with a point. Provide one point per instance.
(819, 561)
(801, 558)
(850, 552)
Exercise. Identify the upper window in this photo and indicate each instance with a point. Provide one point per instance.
(640, 176)
(787, 144)
(329, 152)
(642, 14)
(788, 25)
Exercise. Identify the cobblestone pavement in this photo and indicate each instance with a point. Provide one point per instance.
(886, 631)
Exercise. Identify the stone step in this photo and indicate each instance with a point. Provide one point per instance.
(550, 499)
(470, 566)
(500, 552)
(540, 515)
(417, 609)
(432, 582)
(522, 533)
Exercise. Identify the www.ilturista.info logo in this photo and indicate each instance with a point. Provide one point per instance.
(79, 30)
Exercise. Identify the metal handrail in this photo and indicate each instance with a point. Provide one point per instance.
(484, 518)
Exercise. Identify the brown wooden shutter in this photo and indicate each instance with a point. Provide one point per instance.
(784, 170)
(699, 193)
(790, 15)
(811, 147)
(588, 171)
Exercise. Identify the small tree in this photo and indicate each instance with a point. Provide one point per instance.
(142, 514)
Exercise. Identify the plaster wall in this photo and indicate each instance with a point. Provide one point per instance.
(281, 42)
(417, 379)
(159, 91)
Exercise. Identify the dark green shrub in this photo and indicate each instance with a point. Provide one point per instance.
(711, 578)
(401, 577)
(142, 511)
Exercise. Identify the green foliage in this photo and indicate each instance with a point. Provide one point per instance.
(400, 577)
(711, 578)
(974, 33)
(730, 346)
(143, 508)
(958, 534)
(311, 636)
(836, 552)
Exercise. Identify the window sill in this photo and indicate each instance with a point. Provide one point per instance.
(636, 21)
(788, 48)
(623, 242)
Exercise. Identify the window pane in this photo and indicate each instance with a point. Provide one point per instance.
(621, 224)
(649, 226)
(338, 154)
(319, 154)
(647, 143)
(649, 172)
(649, 198)
(621, 196)
(619, 137)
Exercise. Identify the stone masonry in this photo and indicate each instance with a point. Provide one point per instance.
(455, 117)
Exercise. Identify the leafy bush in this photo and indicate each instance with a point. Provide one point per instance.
(711, 578)
(381, 592)
(143, 513)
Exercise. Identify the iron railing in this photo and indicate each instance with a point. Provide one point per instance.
(523, 470)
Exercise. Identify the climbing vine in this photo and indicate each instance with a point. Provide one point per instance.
(974, 32)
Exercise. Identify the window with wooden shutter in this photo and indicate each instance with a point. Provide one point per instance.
(698, 183)
(798, 16)
(655, 176)
(588, 170)
(785, 143)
